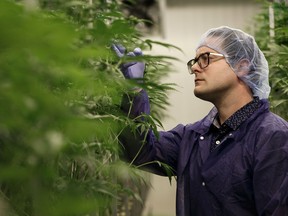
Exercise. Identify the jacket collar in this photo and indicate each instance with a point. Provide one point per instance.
(203, 125)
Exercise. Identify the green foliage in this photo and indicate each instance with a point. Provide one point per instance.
(276, 51)
(59, 116)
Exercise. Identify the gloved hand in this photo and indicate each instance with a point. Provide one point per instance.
(130, 70)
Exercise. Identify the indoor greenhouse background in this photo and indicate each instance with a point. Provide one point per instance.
(61, 90)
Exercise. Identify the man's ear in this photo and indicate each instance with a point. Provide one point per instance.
(243, 67)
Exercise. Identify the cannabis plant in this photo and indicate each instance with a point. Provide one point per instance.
(275, 47)
(60, 116)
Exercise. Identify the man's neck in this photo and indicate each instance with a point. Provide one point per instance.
(228, 107)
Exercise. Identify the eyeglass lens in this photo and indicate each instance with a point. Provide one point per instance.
(202, 60)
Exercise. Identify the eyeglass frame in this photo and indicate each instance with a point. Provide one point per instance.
(195, 60)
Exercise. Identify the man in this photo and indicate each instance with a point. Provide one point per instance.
(235, 160)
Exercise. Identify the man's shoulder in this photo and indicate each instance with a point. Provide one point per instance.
(270, 123)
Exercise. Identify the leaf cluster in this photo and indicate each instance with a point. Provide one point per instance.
(276, 51)
(60, 90)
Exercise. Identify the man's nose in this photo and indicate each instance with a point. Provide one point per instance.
(196, 68)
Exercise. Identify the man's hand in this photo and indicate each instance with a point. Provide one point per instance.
(130, 70)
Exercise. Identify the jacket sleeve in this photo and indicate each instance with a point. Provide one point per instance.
(145, 150)
(270, 176)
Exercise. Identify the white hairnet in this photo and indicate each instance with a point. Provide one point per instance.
(242, 54)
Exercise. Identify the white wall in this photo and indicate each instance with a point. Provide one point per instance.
(183, 27)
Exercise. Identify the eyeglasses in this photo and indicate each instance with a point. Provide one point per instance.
(203, 61)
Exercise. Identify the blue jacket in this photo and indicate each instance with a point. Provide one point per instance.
(246, 175)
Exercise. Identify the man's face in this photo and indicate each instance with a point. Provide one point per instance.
(215, 81)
